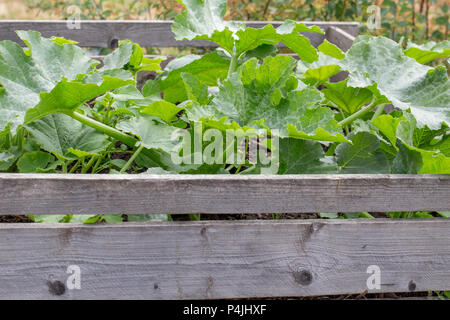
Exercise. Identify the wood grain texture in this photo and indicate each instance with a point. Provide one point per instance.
(219, 259)
(138, 194)
(147, 33)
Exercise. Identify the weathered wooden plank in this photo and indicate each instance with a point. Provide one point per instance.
(219, 259)
(114, 194)
(340, 37)
(146, 33)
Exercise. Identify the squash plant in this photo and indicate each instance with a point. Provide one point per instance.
(61, 112)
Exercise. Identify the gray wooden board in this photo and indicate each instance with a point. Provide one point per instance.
(220, 259)
(146, 33)
(139, 194)
(341, 38)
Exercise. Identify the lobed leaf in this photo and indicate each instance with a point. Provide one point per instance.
(429, 51)
(153, 133)
(52, 76)
(60, 135)
(379, 64)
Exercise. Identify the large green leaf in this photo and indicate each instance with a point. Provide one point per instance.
(442, 145)
(47, 76)
(153, 133)
(319, 71)
(130, 56)
(208, 69)
(407, 161)
(379, 64)
(156, 158)
(56, 60)
(434, 162)
(8, 158)
(435, 158)
(300, 156)
(247, 95)
(265, 96)
(331, 50)
(66, 96)
(201, 18)
(128, 53)
(324, 67)
(387, 124)
(196, 90)
(308, 120)
(362, 156)
(33, 162)
(423, 137)
(64, 136)
(428, 51)
(347, 98)
(162, 109)
(327, 64)
(289, 33)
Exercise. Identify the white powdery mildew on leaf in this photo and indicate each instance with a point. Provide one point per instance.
(379, 64)
(49, 75)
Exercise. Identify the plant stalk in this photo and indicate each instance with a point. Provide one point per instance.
(233, 63)
(86, 168)
(357, 115)
(97, 164)
(75, 167)
(133, 157)
(379, 111)
(114, 133)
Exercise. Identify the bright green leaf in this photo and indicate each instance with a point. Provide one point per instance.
(162, 109)
(379, 64)
(32, 162)
(362, 156)
(428, 52)
(59, 134)
(153, 133)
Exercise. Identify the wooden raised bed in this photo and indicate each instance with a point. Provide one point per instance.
(216, 259)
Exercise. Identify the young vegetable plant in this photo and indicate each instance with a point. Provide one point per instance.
(61, 112)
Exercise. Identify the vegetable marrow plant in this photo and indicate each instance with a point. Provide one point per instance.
(60, 111)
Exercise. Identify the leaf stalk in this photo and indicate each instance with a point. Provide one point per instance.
(233, 63)
(358, 114)
(133, 157)
(114, 133)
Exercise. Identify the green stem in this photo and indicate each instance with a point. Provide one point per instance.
(245, 155)
(64, 166)
(89, 164)
(343, 117)
(108, 108)
(233, 63)
(75, 167)
(379, 111)
(133, 157)
(357, 115)
(114, 133)
(97, 164)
